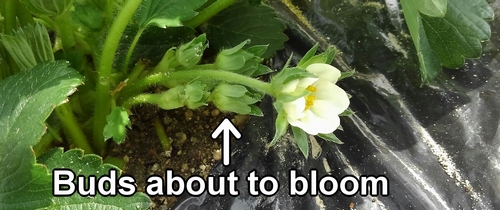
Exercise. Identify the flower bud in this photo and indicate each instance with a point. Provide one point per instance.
(234, 98)
(192, 95)
(233, 58)
(189, 54)
(195, 95)
(170, 99)
(246, 62)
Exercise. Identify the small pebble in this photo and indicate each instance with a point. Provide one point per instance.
(216, 154)
(215, 113)
(184, 166)
(155, 167)
(126, 158)
(188, 114)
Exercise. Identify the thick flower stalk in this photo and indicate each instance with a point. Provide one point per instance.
(317, 112)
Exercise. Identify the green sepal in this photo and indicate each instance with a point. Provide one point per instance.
(301, 139)
(281, 125)
(330, 137)
(347, 112)
(344, 75)
(324, 57)
(289, 74)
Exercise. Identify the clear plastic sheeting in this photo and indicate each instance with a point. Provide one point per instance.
(437, 144)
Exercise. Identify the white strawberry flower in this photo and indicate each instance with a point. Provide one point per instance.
(316, 112)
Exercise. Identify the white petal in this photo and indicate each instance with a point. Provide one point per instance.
(304, 124)
(295, 109)
(324, 71)
(289, 87)
(332, 93)
(306, 82)
(324, 109)
(313, 124)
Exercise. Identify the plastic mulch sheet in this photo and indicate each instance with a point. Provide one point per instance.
(437, 144)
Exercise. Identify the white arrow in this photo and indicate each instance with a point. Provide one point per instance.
(226, 126)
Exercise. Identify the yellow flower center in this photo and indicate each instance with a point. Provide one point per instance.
(310, 99)
(311, 88)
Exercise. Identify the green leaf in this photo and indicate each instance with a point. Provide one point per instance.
(19, 49)
(87, 165)
(153, 44)
(446, 41)
(240, 22)
(167, 13)
(118, 122)
(453, 38)
(301, 139)
(26, 100)
(330, 137)
(29, 46)
(47, 7)
(89, 17)
(434, 8)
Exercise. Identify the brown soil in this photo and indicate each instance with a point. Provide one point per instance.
(193, 151)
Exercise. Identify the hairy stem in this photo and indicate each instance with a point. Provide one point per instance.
(102, 104)
(140, 85)
(131, 49)
(72, 128)
(160, 131)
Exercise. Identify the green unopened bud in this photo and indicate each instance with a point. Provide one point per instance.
(173, 98)
(195, 95)
(233, 58)
(234, 98)
(192, 95)
(47, 7)
(246, 62)
(189, 54)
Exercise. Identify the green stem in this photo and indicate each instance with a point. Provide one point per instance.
(10, 16)
(230, 77)
(72, 128)
(110, 8)
(137, 71)
(138, 99)
(131, 49)
(209, 12)
(160, 131)
(66, 30)
(43, 145)
(24, 16)
(102, 104)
